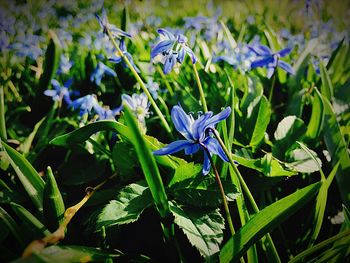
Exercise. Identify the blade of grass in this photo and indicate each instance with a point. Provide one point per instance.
(3, 134)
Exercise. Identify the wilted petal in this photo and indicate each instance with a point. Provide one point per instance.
(161, 47)
(262, 62)
(173, 147)
(182, 122)
(286, 67)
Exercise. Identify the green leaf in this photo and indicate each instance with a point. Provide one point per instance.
(29, 177)
(148, 165)
(125, 160)
(337, 148)
(203, 191)
(264, 221)
(262, 120)
(52, 60)
(30, 220)
(203, 228)
(288, 131)
(82, 134)
(128, 206)
(3, 134)
(27, 143)
(67, 254)
(185, 171)
(11, 225)
(53, 203)
(302, 162)
(327, 86)
(317, 116)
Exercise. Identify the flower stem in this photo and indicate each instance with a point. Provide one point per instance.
(272, 87)
(246, 191)
(140, 81)
(222, 192)
(200, 88)
(3, 134)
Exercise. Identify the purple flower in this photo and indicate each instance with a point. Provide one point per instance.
(197, 135)
(105, 26)
(59, 91)
(270, 60)
(99, 71)
(86, 104)
(171, 49)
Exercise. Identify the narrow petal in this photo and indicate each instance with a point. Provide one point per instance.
(286, 67)
(191, 149)
(173, 147)
(166, 33)
(55, 84)
(169, 63)
(181, 55)
(68, 83)
(191, 54)
(260, 50)
(50, 92)
(214, 147)
(182, 122)
(270, 71)
(161, 47)
(210, 123)
(262, 62)
(115, 59)
(129, 101)
(198, 127)
(206, 164)
(284, 52)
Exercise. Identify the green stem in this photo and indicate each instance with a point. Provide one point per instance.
(166, 82)
(140, 81)
(200, 88)
(222, 192)
(246, 190)
(272, 85)
(3, 134)
(319, 246)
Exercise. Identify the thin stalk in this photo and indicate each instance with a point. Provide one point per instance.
(200, 88)
(166, 82)
(222, 192)
(3, 134)
(246, 190)
(319, 246)
(140, 81)
(272, 87)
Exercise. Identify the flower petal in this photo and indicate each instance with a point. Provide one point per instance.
(260, 50)
(214, 147)
(169, 63)
(198, 127)
(182, 122)
(166, 33)
(173, 147)
(191, 149)
(68, 83)
(191, 54)
(129, 101)
(161, 47)
(262, 62)
(270, 71)
(56, 85)
(284, 52)
(211, 122)
(286, 67)
(206, 164)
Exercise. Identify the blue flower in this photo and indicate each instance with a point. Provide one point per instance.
(59, 91)
(172, 48)
(118, 59)
(105, 113)
(99, 71)
(65, 65)
(86, 104)
(138, 104)
(271, 60)
(197, 134)
(153, 88)
(105, 26)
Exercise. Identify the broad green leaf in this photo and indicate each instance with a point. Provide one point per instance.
(148, 165)
(184, 172)
(11, 225)
(52, 60)
(203, 228)
(30, 220)
(288, 131)
(264, 221)
(337, 148)
(317, 116)
(124, 158)
(203, 191)
(128, 206)
(29, 177)
(263, 119)
(83, 134)
(69, 254)
(302, 162)
(327, 86)
(53, 203)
